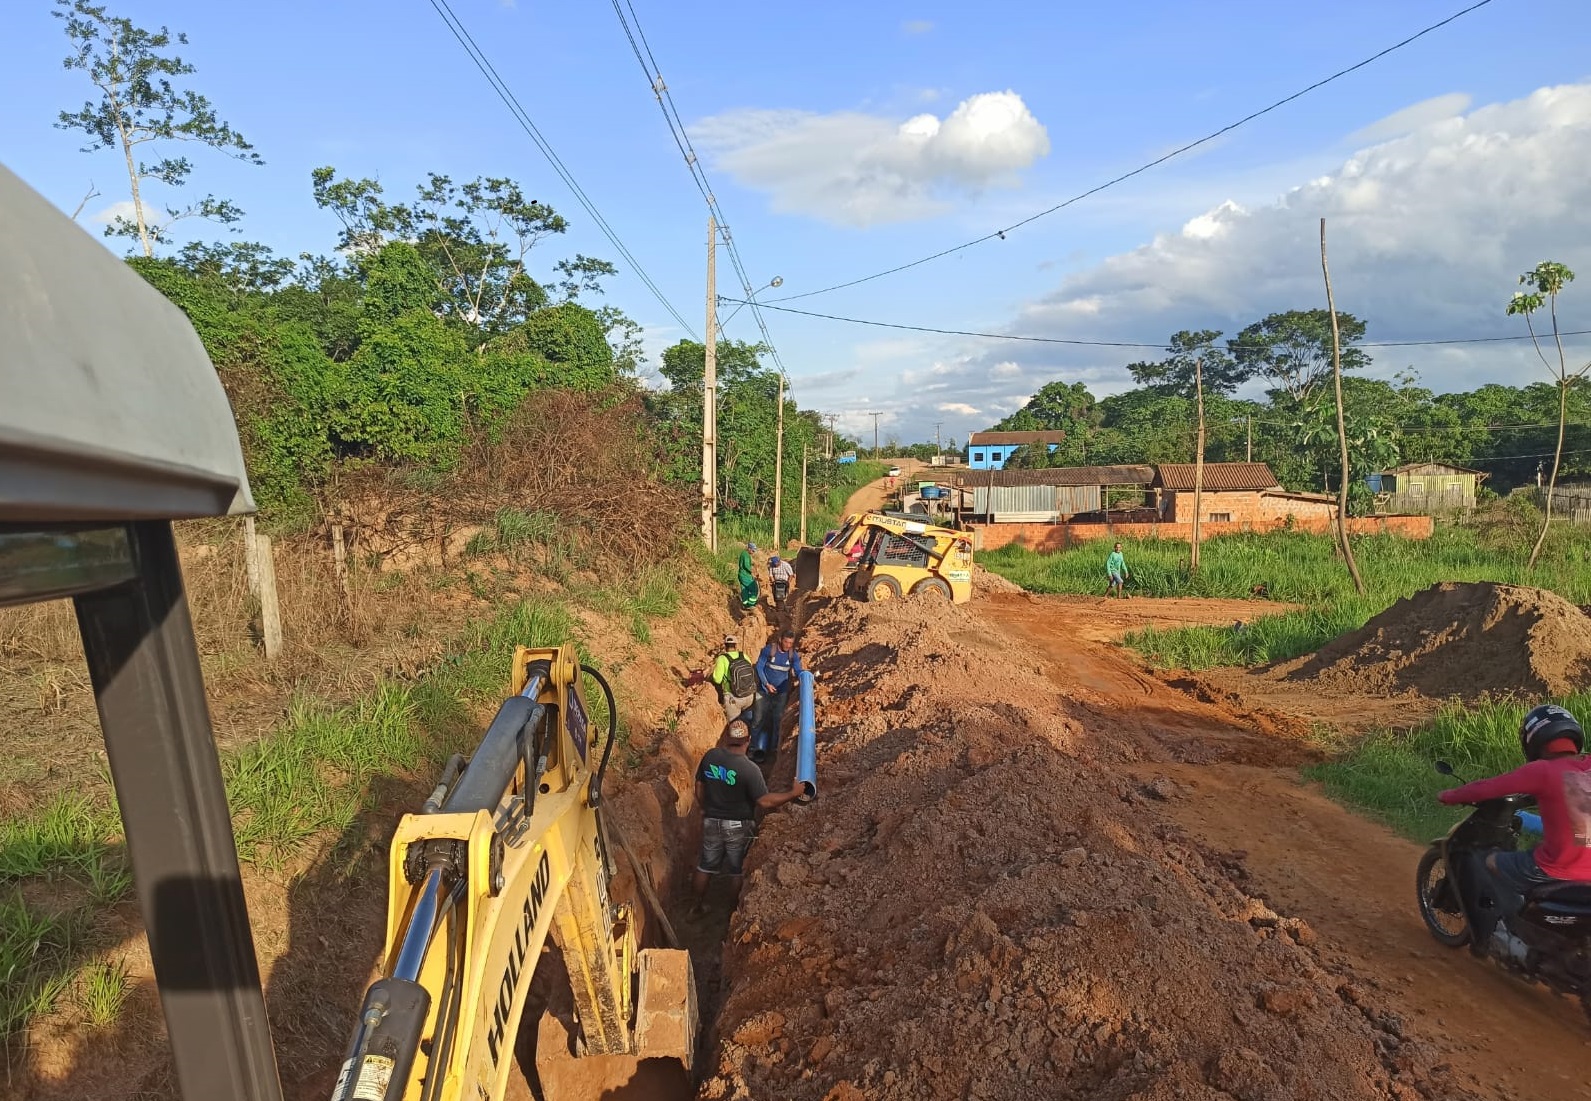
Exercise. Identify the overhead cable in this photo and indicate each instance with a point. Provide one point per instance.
(1000, 233)
(462, 34)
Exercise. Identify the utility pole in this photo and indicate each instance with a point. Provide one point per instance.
(778, 472)
(710, 397)
(1198, 466)
(875, 417)
(937, 449)
(803, 495)
(1250, 453)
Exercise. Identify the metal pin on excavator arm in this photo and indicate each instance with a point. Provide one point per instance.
(515, 852)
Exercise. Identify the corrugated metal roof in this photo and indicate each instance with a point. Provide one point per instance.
(1299, 495)
(1409, 468)
(983, 439)
(1217, 476)
(1061, 476)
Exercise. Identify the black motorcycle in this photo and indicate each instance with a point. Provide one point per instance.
(1545, 939)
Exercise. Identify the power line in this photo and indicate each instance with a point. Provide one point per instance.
(676, 125)
(1158, 345)
(1000, 233)
(462, 34)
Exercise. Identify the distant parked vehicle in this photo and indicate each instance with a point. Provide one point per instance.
(894, 472)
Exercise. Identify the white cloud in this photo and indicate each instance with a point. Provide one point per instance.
(851, 168)
(1005, 370)
(917, 26)
(123, 209)
(1412, 118)
(959, 408)
(1427, 235)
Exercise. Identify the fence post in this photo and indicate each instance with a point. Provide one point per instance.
(339, 554)
(264, 567)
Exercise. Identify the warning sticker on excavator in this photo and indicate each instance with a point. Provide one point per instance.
(375, 1073)
(959, 575)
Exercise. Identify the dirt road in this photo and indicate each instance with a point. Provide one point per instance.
(876, 493)
(1038, 869)
(1350, 879)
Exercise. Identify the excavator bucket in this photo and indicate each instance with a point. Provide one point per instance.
(666, 1015)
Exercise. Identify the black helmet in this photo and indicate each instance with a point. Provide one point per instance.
(1546, 724)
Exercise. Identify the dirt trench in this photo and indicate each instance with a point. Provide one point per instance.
(1037, 869)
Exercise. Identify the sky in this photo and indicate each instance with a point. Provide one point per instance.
(842, 139)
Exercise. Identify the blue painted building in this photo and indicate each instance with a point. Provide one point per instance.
(990, 450)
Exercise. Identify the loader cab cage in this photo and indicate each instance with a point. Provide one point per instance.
(112, 425)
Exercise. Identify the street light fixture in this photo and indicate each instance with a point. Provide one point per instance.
(776, 281)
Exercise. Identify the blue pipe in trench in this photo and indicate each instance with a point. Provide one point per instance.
(807, 740)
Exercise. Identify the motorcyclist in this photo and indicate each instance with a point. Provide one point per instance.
(1559, 778)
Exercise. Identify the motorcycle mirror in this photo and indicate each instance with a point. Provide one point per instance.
(1444, 768)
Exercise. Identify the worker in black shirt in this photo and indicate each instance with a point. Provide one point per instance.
(730, 790)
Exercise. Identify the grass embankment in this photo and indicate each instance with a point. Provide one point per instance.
(1296, 568)
(63, 868)
(1391, 776)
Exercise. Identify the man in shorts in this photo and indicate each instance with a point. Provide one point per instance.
(730, 790)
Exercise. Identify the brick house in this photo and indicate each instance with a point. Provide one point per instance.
(1236, 493)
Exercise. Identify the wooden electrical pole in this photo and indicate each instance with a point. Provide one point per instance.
(778, 473)
(1198, 465)
(710, 397)
(875, 417)
(803, 495)
(1249, 454)
(1342, 432)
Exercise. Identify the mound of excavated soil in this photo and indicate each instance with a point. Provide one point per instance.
(981, 906)
(1461, 639)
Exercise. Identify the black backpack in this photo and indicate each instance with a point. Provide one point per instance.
(742, 679)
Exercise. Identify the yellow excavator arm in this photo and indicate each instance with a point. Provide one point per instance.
(509, 848)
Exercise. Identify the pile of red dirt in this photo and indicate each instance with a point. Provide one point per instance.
(981, 905)
(1461, 639)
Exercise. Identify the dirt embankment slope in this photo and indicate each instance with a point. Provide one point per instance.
(983, 905)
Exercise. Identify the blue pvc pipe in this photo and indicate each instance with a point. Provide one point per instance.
(807, 740)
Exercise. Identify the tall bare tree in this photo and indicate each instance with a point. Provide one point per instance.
(1546, 281)
(138, 106)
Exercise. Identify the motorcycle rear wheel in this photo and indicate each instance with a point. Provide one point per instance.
(1448, 927)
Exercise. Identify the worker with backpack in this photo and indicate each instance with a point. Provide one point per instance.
(736, 679)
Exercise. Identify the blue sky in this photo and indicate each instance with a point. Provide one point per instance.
(798, 110)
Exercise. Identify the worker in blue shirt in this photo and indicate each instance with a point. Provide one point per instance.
(778, 669)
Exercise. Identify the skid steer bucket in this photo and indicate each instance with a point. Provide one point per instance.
(666, 1015)
(821, 569)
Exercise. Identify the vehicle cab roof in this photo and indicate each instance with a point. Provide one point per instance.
(110, 409)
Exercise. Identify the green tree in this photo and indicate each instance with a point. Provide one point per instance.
(401, 397)
(1292, 350)
(1546, 281)
(475, 236)
(139, 105)
(1174, 374)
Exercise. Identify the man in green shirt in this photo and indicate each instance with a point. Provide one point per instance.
(735, 678)
(1116, 570)
(748, 578)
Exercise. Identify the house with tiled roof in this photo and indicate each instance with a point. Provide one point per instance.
(1235, 493)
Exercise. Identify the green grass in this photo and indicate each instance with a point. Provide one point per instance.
(102, 990)
(312, 778)
(1296, 568)
(1390, 776)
